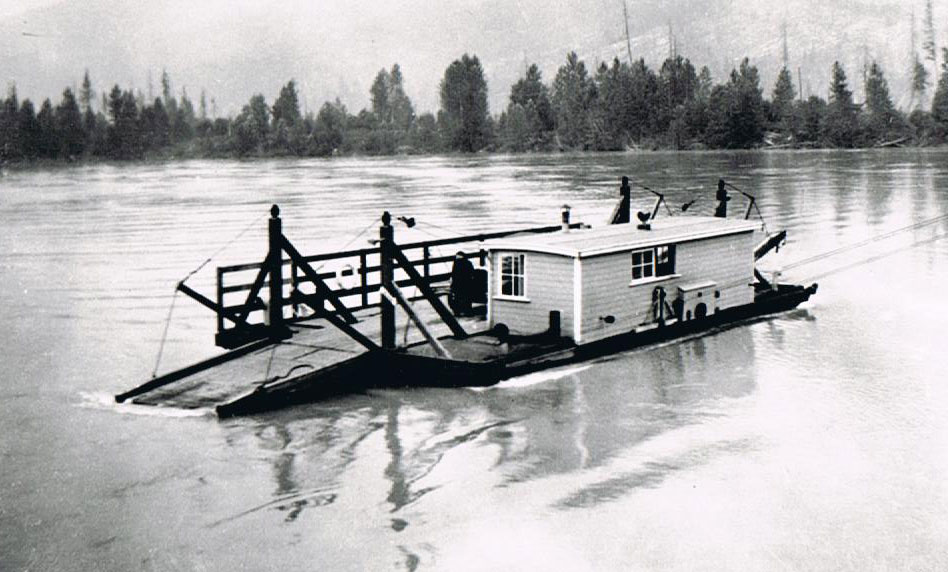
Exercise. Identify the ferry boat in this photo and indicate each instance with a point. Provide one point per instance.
(507, 303)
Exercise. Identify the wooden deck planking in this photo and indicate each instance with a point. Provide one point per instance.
(315, 345)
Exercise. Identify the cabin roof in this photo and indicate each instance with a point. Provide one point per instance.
(622, 237)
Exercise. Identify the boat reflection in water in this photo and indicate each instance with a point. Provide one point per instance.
(595, 432)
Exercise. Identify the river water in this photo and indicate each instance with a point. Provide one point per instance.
(812, 440)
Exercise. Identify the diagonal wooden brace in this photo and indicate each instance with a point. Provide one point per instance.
(429, 337)
(428, 293)
(213, 306)
(254, 292)
(321, 288)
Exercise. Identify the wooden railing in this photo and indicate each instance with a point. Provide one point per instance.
(353, 277)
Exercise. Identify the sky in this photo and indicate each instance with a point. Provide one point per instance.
(232, 49)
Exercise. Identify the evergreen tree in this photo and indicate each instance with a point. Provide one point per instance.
(928, 43)
(574, 96)
(9, 132)
(644, 100)
(940, 101)
(737, 112)
(166, 94)
(124, 136)
(678, 83)
(69, 126)
(529, 113)
(463, 118)
(812, 116)
(530, 92)
(919, 81)
(155, 125)
(29, 130)
(782, 99)
(839, 127)
(48, 139)
(613, 117)
(881, 117)
(878, 99)
(704, 84)
(86, 94)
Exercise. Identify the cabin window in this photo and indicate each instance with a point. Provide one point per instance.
(653, 262)
(643, 264)
(512, 277)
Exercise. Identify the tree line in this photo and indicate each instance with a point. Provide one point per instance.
(617, 106)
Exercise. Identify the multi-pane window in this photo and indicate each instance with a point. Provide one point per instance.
(653, 262)
(643, 264)
(512, 277)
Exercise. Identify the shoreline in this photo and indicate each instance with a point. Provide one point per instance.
(23, 165)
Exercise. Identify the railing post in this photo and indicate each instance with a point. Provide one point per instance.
(426, 254)
(295, 286)
(364, 276)
(275, 262)
(387, 237)
(220, 301)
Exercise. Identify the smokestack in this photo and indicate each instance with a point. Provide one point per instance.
(565, 217)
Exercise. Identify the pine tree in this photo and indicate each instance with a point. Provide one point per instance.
(69, 126)
(86, 94)
(928, 44)
(29, 130)
(48, 140)
(839, 128)
(530, 101)
(612, 116)
(9, 133)
(783, 98)
(940, 101)
(737, 114)
(882, 117)
(574, 95)
(878, 99)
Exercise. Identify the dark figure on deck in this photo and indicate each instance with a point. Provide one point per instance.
(462, 285)
(721, 211)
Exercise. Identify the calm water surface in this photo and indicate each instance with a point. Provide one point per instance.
(814, 440)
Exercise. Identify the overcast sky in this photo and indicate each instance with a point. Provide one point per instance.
(235, 48)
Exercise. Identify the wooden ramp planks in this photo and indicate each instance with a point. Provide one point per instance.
(314, 345)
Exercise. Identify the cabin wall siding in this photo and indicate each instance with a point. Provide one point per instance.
(728, 261)
(549, 286)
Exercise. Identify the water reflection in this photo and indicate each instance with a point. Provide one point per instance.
(567, 421)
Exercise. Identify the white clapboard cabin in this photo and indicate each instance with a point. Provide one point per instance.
(595, 283)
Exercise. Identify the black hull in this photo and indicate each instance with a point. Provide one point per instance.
(377, 370)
